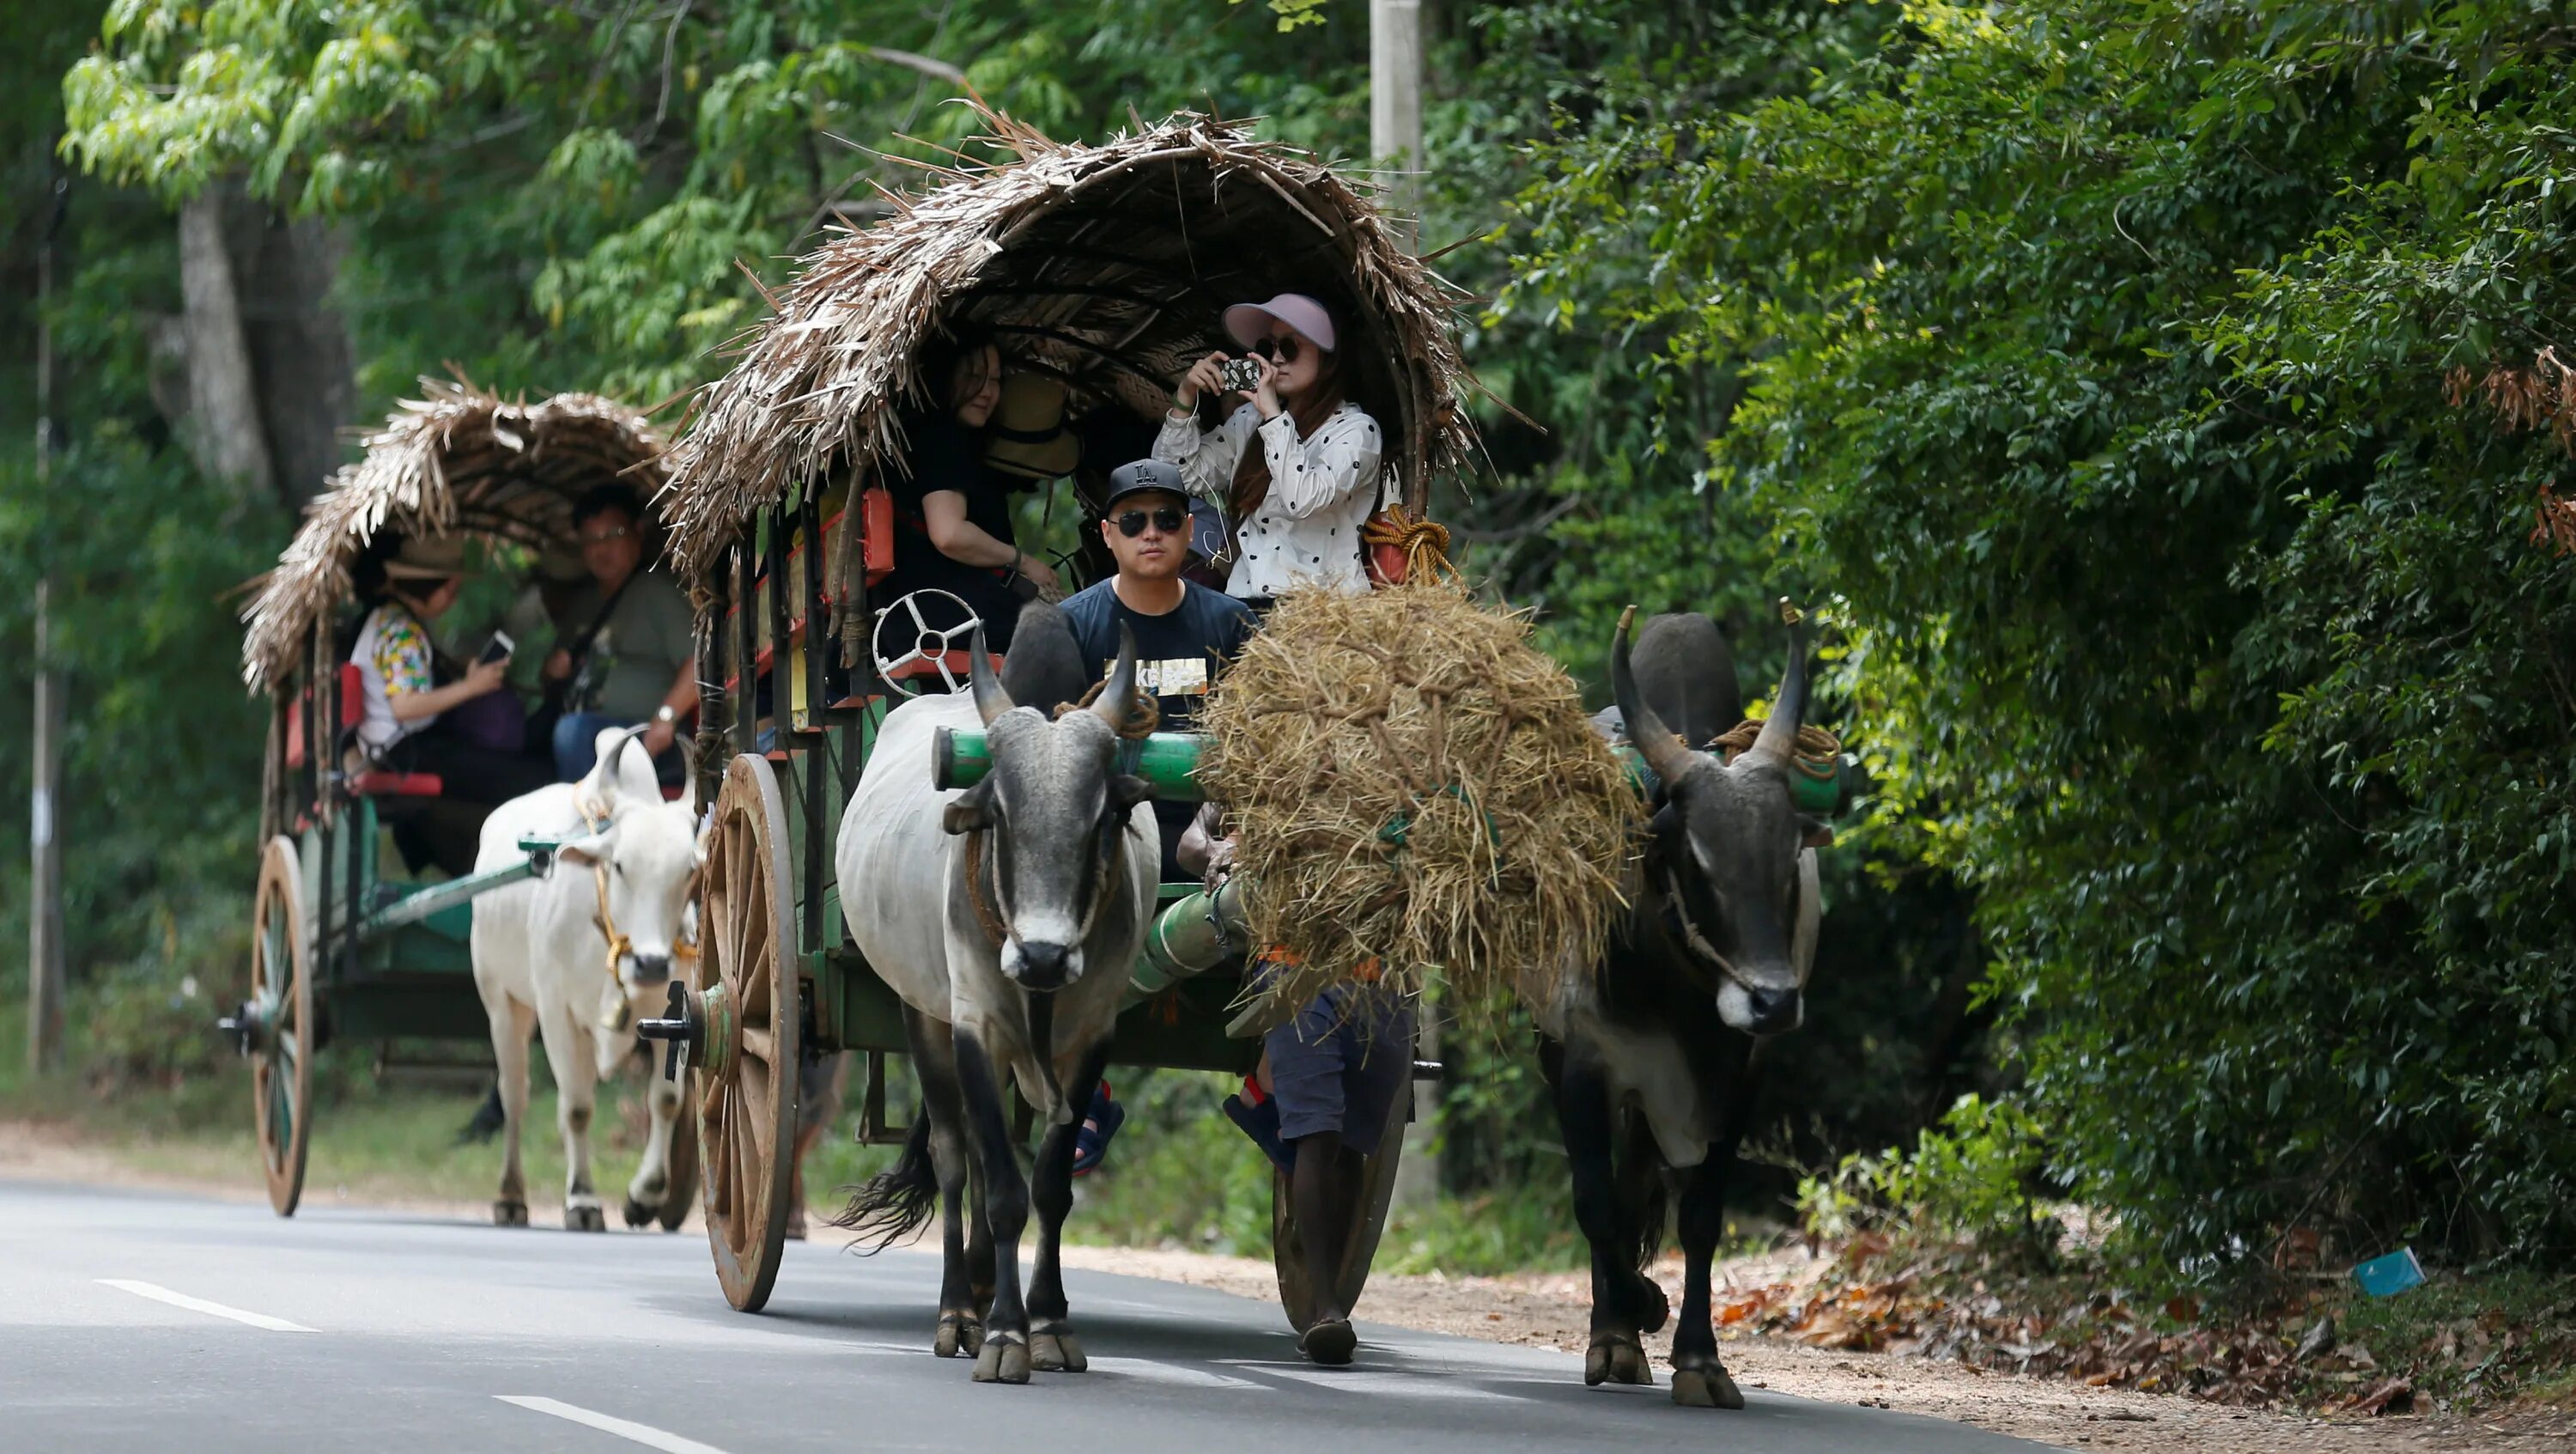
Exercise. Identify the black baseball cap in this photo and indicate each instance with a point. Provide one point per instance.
(1140, 477)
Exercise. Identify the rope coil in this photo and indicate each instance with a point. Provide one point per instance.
(1818, 753)
(1425, 543)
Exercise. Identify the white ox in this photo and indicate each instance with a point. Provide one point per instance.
(541, 958)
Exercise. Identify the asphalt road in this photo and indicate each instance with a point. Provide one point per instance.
(136, 1321)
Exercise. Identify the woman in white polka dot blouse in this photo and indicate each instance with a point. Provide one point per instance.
(1299, 499)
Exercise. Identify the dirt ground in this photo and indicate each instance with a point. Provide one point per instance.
(1551, 1311)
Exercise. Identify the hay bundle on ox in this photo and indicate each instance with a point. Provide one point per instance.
(1416, 789)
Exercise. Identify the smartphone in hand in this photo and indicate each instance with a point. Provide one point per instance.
(499, 648)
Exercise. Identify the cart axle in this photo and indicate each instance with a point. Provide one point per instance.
(249, 1028)
(701, 1023)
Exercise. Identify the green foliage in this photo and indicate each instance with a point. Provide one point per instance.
(1975, 1177)
(2094, 353)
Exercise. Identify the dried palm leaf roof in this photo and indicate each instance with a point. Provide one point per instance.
(456, 461)
(1107, 266)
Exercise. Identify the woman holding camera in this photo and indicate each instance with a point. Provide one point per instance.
(1295, 465)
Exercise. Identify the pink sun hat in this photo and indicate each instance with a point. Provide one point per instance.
(1246, 320)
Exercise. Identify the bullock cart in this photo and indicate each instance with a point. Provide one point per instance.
(1104, 269)
(344, 947)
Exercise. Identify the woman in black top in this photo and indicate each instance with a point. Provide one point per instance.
(952, 509)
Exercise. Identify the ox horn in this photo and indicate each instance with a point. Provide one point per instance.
(1664, 753)
(990, 700)
(691, 762)
(1779, 737)
(1118, 694)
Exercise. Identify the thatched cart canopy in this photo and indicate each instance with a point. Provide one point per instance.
(1106, 266)
(457, 461)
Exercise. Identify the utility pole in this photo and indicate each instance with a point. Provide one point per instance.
(1395, 139)
(45, 981)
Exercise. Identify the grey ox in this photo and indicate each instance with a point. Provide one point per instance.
(1651, 1058)
(1005, 916)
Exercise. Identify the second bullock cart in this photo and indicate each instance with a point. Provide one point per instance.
(1102, 270)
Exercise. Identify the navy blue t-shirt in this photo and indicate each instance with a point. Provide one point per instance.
(1177, 653)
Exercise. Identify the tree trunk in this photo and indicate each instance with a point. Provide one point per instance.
(223, 427)
(300, 349)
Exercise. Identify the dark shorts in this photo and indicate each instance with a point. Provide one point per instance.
(1340, 1065)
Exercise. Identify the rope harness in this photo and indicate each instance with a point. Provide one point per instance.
(1143, 715)
(1817, 754)
(595, 819)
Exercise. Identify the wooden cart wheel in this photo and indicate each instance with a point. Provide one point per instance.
(281, 997)
(680, 1167)
(1368, 1224)
(746, 1092)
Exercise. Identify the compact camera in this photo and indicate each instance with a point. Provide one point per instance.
(1239, 375)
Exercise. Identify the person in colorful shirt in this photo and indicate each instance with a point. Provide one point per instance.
(406, 723)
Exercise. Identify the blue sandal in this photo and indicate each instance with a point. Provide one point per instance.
(1261, 1122)
(1091, 1138)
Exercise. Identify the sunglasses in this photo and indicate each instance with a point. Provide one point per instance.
(602, 537)
(1167, 520)
(1278, 350)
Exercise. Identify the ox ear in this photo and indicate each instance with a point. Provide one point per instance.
(588, 852)
(1815, 833)
(970, 810)
(1127, 790)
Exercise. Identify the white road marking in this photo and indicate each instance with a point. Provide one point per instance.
(161, 1294)
(644, 1434)
(1171, 1373)
(1404, 1383)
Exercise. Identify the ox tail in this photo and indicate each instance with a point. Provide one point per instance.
(898, 1201)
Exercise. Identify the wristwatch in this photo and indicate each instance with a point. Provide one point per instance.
(664, 715)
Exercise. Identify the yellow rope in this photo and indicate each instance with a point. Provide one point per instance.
(1818, 753)
(1425, 543)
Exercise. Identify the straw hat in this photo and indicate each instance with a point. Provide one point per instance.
(1028, 434)
(427, 560)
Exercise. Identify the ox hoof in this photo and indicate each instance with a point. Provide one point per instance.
(509, 1214)
(1329, 1343)
(1653, 1309)
(637, 1214)
(1616, 1358)
(1705, 1388)
(1005, 1359)
(1057, 1352)
(585, 1219)
(958, 1333)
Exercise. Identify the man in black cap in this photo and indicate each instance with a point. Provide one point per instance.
(1184, 634)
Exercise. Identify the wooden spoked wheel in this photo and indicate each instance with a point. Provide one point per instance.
(1368, 1224)
(746, 1090)
(680, 1169)
(281, 1004)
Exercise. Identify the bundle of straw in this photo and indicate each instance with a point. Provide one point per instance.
(1416, 792)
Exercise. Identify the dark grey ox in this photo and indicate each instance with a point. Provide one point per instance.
(1651, 1058)
(1005, 916)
